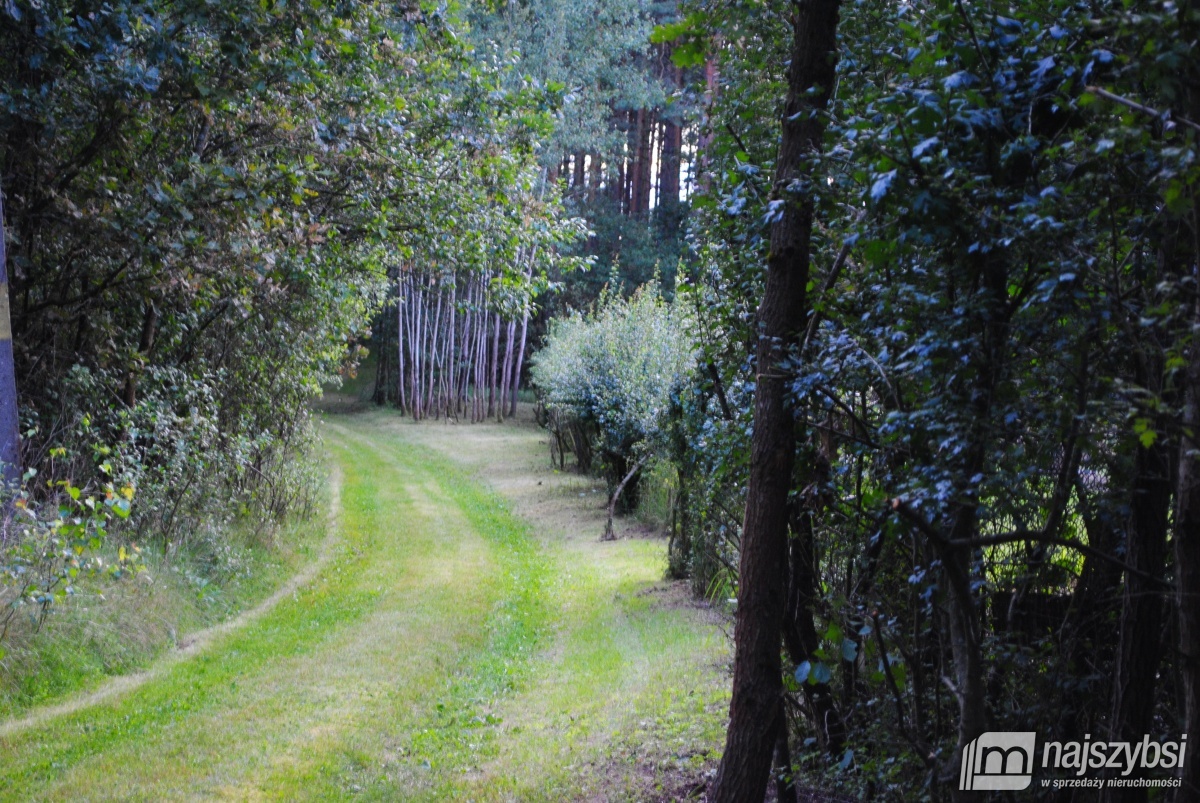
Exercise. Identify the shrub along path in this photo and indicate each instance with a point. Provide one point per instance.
(456, 642)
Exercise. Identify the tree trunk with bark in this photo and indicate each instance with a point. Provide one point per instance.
(668, 166)
(642, 175)
(762, 585)
(1187, 506)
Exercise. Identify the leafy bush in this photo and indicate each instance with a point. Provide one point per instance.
(49, 545)
(609, 377)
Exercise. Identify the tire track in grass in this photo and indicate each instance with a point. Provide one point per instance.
(460, 732)
(194, 643)
(430, 596)
(213, 724)
(437, 614)
(628, 692)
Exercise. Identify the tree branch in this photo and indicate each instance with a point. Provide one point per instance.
(914, 518)
(1138, 107)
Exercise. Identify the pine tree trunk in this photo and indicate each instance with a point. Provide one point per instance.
(645, 177)
(593, 177)
(577, 177)
(757, 685)
(703, 159)
(668, 166)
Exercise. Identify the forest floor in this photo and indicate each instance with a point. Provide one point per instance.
(462, 635)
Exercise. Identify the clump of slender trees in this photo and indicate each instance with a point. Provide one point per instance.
(458, 352)
(453, 336)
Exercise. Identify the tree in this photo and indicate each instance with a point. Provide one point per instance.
(608, 378)
(755, 711)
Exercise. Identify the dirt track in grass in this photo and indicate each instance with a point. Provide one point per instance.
(466, 636)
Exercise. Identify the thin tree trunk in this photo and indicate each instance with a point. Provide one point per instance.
(401, 340)
(451, 385)
(432, 403)
(418, 350)
(785, 785)
(757, 685)
(494, 367)
(383, 364)
(512, 405)
(609, 535)
(10, 443)
(506, 374)
(800, 630)
(145, 343)
(465, 351)
(480, 359)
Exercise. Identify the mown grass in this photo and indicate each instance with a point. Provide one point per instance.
(111, 627)
(297, 688)
(446, 651)
(628, 698)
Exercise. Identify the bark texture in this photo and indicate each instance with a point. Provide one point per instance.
(762, 590)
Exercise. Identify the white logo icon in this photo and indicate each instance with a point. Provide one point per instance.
(998, 761)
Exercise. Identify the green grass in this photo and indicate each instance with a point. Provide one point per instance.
(111, 627)
(445, 651)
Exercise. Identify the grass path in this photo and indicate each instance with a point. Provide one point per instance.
(453, 642)
(194, 643)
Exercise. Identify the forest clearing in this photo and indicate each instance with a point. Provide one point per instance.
(452, 642)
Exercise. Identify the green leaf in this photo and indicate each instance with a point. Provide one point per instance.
(670, 31)
(849, 650)
(687, 55)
